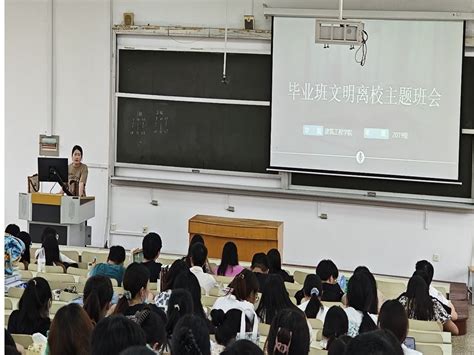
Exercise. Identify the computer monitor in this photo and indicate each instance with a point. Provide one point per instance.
(54, 170)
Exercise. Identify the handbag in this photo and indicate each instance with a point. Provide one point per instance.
(253, 336)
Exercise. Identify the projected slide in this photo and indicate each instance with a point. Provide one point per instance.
(399, 114)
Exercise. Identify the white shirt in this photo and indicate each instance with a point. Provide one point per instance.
(63, 257)
(321, 314)
(439, 296)
(229, 302)
(355, 319)
(407, 351)
(206, 281)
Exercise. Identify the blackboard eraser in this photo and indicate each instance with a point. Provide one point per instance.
(195, 170)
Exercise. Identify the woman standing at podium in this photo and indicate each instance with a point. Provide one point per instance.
(77, 172)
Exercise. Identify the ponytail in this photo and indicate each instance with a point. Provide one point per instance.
(122, 304)
(190, 344)
(92, 306)
(314, 305)
(367, 323)
(98, 293)
(282, 342)
(136, 277)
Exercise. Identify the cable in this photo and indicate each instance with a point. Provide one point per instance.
(363, 47)
(224, 77)
(53, 187)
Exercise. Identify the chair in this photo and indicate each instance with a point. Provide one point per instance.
(71, 254)
(15, 292)
(77, 271)
(55, 306)
(54, 269)
(315, 323)
(391, 289)
(57, 277)
(223, 280)
(424, 325)
(300, 276)
(26, 275)
(292, 288)
(89, 257)
(8, 304)
(427, 337)
(330, 304)
(263, 329)
(7, 317)
(208, 301)
(314, 351)
(431, 349)
(68, 296)
(293, 300)
(24, 340)
(215, 291)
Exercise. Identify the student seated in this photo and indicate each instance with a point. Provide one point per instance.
(376, 342)
(50, 248)
(230, 261)
(242, 295)
(359, 299)
(191, 337)
(274, 261)
(32, 315)
(274, 298)
(154, 327)
(198, 259)
(151, 246)
(311, 305)
(242, 346)
(167, 283)
(114, 334)
(377, 298)
(26, 256)
(98, 293)
(393, 317)
(187, 281)
(328, 273)
(227, 325)
(426, 267)
(336, 324)
(421, 306)
(70, 332)
(180, 304)
(113, 268)
(14, 248)
(260, 267)
(197, 238)
(289, 334)
(136, 294)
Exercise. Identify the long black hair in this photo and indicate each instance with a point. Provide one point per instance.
(229, 258)
(197, 238)
(419, 302)
(135, 278)
(289, 334)
(274, 260)
(191, 337)
(274, 298)
(180, 303)
(98, 293)
(172, 273)
(26, 239)
(244, 285)
(374, 304)
(34, 304)
(313, 288)
(359, 297)
(336, 324)
(393, 317)
(188, 281)
(227, 324)
(51, 250)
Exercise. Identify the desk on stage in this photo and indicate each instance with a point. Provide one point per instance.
(66, 214)
(250, 235)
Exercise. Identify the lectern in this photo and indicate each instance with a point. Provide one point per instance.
(66, 214)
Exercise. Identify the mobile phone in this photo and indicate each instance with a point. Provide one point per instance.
(410, 343)
(137, 256)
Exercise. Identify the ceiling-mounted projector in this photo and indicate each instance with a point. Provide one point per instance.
(335, 31)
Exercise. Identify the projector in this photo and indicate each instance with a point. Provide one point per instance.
(336, 31)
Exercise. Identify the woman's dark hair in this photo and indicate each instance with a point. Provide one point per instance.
(326, 268)
(180, 303)
(154, 327)
(313, 288)
(393, 317)
(138, 350)
(274, 260)
(12, 229)
(227, 325)
(377, 342)
(11, 350)
(117, 254)
(374, 305)
(336, 324)
(175, 269)
(242, 347)
(339, 345)
(197, 238)
(243, 285)
(98, 293)
(359, 297)
(114, 334)
(260, 260)
(77, 147)
(151, 245)
(26, 239)
(48, 231)
(188, 281)
(70, 332)
(51, 250)
(426, 266)
(419, 303)
(274, 298)
(191, 337)
(34, 304)
(290, 330)
(135, 278)
(198, 254)
(229, 258)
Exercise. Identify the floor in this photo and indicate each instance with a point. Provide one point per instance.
(464, 345)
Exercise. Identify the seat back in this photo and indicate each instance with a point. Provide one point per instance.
(89, 257)
(391, 289)
(263, 329)
(54, 269)
(431, 349)
(55, 306)
(300, 276)
(77, 271)
(8, 304)
(15, 292)
(292, 288)
(315, 323)
(71, 254)
(208, 301)
(424, 325)
(57, 277)
(24, 340)
(26, 275)
(426, 337)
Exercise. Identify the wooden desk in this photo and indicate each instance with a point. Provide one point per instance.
(250, 235)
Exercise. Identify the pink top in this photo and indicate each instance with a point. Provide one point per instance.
(233, 270)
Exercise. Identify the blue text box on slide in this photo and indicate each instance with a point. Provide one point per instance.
(312, 130)
(376, 133)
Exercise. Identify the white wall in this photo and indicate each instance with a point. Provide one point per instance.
(387, 240)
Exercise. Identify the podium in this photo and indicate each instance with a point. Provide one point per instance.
(66, 214)
(250, 235)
